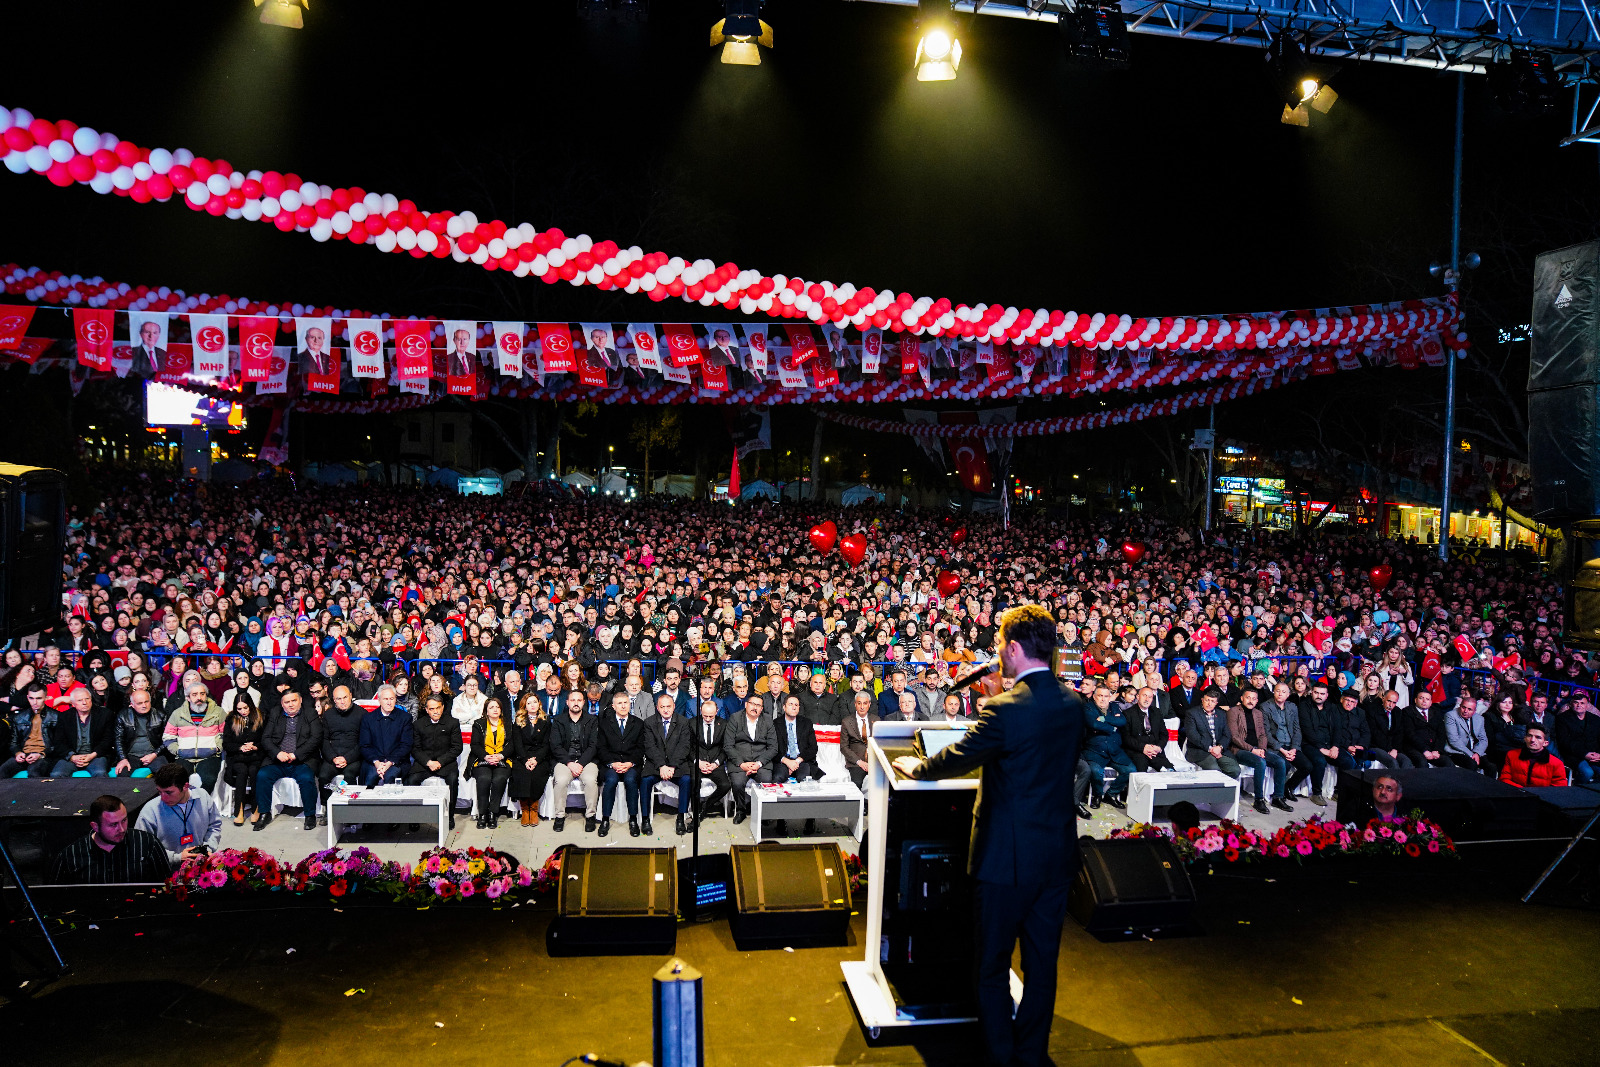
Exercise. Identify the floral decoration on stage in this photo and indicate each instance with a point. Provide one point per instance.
(439, 875)
(1412, 836)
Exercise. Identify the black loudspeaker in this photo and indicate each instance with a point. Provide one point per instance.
(789, 896)
(1133, 888)
(33, 531)
(616, 902)
(1564, 384)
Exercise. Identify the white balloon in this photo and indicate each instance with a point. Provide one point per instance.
(372, 202)
(427, 240)
(406, 238)
(21, 116)
(468, 221)
(341, 221)
(388, 203)
(61, 150)
(595, 275)
(142, 171)
(251, 210)
(122, 178)
(556, 257)
(358, 211)
(86, 141)
(290, 200)
(17, 162)
(497, 248)
(160, 160)
(183, 156)
(39, 158)
(270, 207)
(5, 120)
(218, 185)
(101, 183)
(540, 265)
(197, 194)
(386, 241)
(310, 193)
(322, 229)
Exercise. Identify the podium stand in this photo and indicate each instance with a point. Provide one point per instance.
(917, 968)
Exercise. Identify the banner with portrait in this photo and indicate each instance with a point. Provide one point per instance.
(146, 354)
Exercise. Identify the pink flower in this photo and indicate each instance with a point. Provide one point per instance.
(1368, 835)
(466, 888)
(460, 867)
(1384, 831)
(432, 866)
(316, 869)
(1399, 837)
(524, 876)
(494, 889)
(1304, 848)
(1283, 851)
(1233, 840)
(1433, 846)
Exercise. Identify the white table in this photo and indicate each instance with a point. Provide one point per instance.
(1212, 790)
(827, 800)
(389, 804)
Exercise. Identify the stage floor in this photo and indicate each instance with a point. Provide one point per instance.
(1327, 968)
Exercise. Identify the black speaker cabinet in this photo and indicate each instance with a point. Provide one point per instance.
(616, 902)
(33, 528)
(789, 896)
(1134, 888)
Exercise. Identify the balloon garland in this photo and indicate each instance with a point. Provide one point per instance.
(66, 153)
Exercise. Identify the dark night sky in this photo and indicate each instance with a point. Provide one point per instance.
(1169, 188)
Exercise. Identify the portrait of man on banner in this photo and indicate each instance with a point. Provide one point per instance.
(601, 355)
(755, 350)
(840, 354)
(148, 355)
(312, 348)
(461, 338)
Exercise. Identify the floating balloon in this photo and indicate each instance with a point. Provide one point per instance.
(823, 535)
(1133, 551)
(948, 583)
(1379, 576)
(959, 536)
(853, 547)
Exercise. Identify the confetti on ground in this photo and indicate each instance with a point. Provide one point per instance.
(353, 992)
(439, 1025)
(289, 952)
(1297, 1000)
(92, 926)
(786, 948)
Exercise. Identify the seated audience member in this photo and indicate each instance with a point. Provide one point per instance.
(1205, 736)
(620, 753)
(488, 761)
(1578, 739)
(289, 747)
(1102, 748)
(241, 741)
(1533, 765)
(111, 852)
(1467, 738)
(796, 759)
(1352, 734)
(193, 732)
(708, 736)
(1144, 735)
(1321, 754)
(386, 740)
(85, 738)
(574, 744)
(1538, 713)
(1386, 795)
(34, 726)
(889, 706)
(1387, 729)
(435, 747)
(530, 757)
(854, 731)
(749, 746)
(1249, 740)
(1425, 733)
(341, 745)
(667, 743)
(139, 736)
(188, 824)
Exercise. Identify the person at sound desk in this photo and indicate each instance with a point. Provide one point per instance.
(1024, 853)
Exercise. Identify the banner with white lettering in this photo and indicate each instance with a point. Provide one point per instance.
(508, 348)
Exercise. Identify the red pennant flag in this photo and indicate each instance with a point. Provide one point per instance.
(411, 348)
(29, 349)
(682, 347)
(461, 384)
(824, 373)
(93, 328)
(801, 342)
(180, 362)
(257, 335)
(716, 378)
(14, 322)
(1464, 648)
(555, 339)
(733, 477)
(910, 354)
(322, 383)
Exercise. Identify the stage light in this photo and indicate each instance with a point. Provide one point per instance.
(284, 13)
(1525, 82)
(741, 33)
(1301, 85)
(938, 47)
(1096, 36)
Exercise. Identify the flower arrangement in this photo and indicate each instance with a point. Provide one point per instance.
(341, 875)
(440, 874)
(852, 868)
(229, 869)
(446, 874)
(1412, 836)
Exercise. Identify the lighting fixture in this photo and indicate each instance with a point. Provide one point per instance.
(1525, 82)
(741, 33)
(1096, 36)
(284, 13)
(938, 47)
(1301, 85)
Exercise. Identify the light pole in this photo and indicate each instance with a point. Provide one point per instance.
(1452, 283)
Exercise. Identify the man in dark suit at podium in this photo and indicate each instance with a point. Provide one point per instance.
(1024, 838)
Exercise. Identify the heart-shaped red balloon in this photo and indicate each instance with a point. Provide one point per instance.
(1379, 576)
(1133, 551)
(853, 547)
(948, 583)
(959, 536)
(823, 535)
(949, 520)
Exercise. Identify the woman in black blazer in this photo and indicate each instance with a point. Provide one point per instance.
(489, 761)
(241, 741)
(530, 757)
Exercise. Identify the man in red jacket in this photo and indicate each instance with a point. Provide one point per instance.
(1533, 764)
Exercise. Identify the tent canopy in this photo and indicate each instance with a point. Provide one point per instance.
(761, 488)
(861, 494)
(579, 479)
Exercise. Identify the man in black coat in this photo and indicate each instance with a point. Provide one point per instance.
(667, 744)
(1424, 733)
(796, 757)
(1386, 730)
(748, 747)
(341, 743)
(707, 737)
(1144, 737)
(620, 753)
(86, 738)
(436, 749)
(289, 748)
(1024, 852)
(818, 705)
(574, 740)
(1205, 736)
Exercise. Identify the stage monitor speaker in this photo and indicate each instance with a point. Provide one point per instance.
(33, 532)
(1564, 384)
(789, 895)
(615, 902)
(1132, 888)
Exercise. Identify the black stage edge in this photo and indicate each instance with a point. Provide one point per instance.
(1468, 805)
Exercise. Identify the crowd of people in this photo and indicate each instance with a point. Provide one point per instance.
(369, 634)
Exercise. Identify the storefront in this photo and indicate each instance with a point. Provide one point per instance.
(1405, 521)
(1266, 502)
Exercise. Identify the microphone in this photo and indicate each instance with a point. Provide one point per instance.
(977, 675)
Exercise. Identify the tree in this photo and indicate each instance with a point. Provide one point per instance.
(656, 427)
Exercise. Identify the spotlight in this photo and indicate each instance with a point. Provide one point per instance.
(284, 13)
(1096, 36)
(741, 33)
(1301, 85)
(614, 10)
(938, 48)
(1525, 82)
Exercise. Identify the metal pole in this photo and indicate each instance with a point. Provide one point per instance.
(1210, 455)
(1454, 281)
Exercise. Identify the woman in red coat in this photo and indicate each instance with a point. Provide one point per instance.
(1532, 765)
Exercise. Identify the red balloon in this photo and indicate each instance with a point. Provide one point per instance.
(1379, 576)
(959, 536)
(853, 547)
(823, 535)
(948, 583)
(1133, 551)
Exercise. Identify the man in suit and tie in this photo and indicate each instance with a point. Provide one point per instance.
(148, 360)
(1024, 853)
(552, 700)
(603, 353)
(721, 353)
(797, 744)
(1144, 737)
(1424, 733)
(854, 730)
(910, 709)
(463, 354)
(1186, 694)
(706, 750)
(1205, 736)
(315, 357)
(667, 743)
(620, 753)
(748, 748)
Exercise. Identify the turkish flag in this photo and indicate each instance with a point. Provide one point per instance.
(801, 342)
(412, 355)
(555, 340)
(92, 328)
(257, 334)
(971, 454)
(14, 322)
(683, 349)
